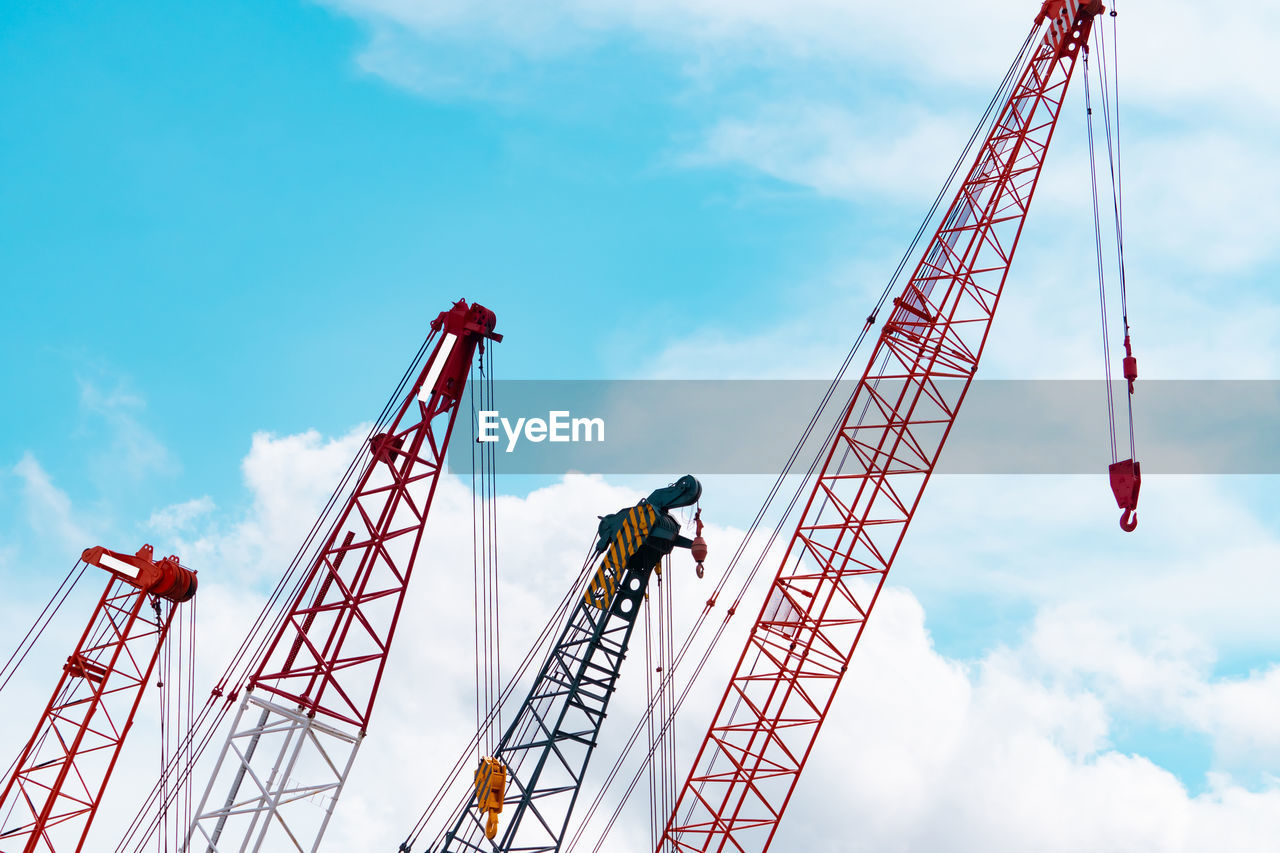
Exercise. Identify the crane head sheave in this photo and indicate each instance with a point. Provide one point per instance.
(662, 533)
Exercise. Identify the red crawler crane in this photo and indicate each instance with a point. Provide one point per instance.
(875, 471)
(62, 772)
(307, 705)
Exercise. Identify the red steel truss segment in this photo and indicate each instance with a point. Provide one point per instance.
(63, 770)
(278, 780)
(328, 656)
(875, 472)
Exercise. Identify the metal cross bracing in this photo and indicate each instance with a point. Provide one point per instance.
(52, 797)
(549, 744)
(876, 469)
(307, 706)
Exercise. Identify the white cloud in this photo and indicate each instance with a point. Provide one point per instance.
(1202, 178)
(1199, 561)
(1185, 212)
(1184, 239)
(180, 516)
(1239, 714)
(1011, 751)
(1166, 678)
(289, 478)
(133, 451)
(49, 510)
(838, 28)
(865, 156)
(928, 41)
(928, 755)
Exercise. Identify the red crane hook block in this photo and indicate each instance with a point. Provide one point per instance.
(1126, 481)
(699, 548)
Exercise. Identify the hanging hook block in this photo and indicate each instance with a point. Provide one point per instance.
(1126, 482)
(699, 547)
(491, 788)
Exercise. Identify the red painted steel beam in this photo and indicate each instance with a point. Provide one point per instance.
(329, 654)
(58, 781)
(876, 469)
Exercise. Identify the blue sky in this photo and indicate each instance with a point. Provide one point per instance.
(235, 219)
(222, 205)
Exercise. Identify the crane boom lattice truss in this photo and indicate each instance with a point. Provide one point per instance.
(547, 747)
(875, 472)
(53, 794)
(552, 738)
(306, 708)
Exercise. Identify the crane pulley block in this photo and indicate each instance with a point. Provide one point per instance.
(699, 546)
(167, 578)
(491, 788)
(1126, 482)
(636, 539)
(1070, 23)
(468, 325)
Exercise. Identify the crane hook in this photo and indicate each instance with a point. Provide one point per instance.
(1126, 482)
(699, 547)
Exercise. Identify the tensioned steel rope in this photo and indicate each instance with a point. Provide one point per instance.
(982, 125)
(268, 621)
(536, 652)
(42, 620)
(1109, 103)
(1110, 92)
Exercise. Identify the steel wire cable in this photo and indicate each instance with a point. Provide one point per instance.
(816, 416)
(524, 731)
(59, 698)
(544, 637)
(438, 798)
(1102, 279)
(198, 736)
(484, 557)
(648, 721)
(41, 623)
(1110, 107)
(1004, 91)
(957, 216)
(480, 700)
(95, 636)
(493, 540)
(711, 645)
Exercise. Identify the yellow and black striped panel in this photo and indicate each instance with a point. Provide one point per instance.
(604, 585)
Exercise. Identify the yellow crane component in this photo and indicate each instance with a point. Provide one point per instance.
(491, 787)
